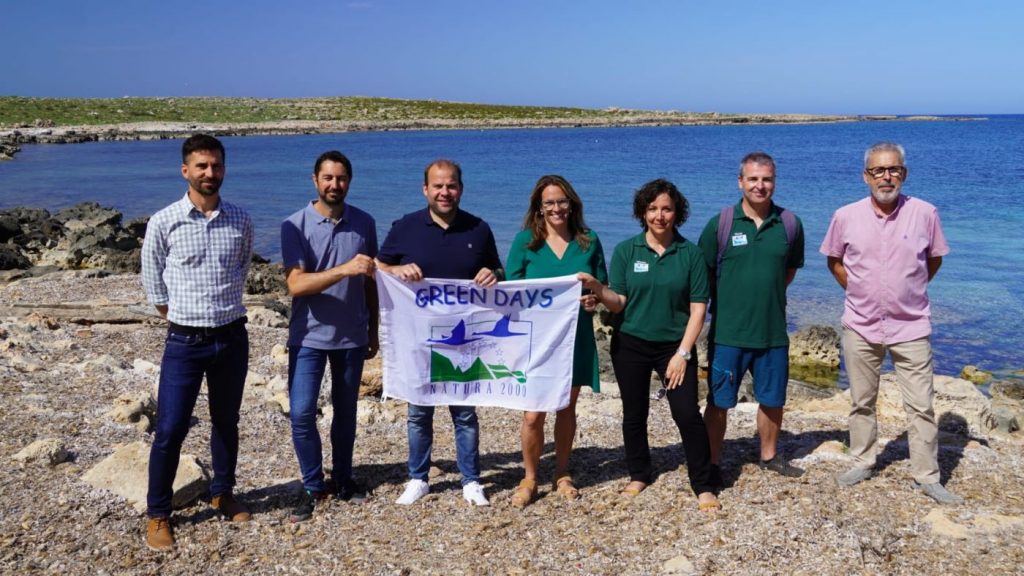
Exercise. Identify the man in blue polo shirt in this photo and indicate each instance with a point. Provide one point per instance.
(442, 241)
(328, 249)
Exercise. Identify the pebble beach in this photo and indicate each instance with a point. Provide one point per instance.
(76, 344)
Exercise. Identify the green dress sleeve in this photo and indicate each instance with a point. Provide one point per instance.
(517, 260)
(617, 270)
(600, 270)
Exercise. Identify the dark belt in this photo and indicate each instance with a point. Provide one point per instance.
(204, 331)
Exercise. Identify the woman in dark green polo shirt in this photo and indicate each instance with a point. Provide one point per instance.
(555, 241)
(659, 282)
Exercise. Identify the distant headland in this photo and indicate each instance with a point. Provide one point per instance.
(25, 120)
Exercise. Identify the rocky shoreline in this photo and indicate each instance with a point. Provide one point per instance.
(44, 132)
(79, 359)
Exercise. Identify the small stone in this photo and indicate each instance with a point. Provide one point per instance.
(23, 364)
(145, 366)
(144, 424)
(678, 565)
(366, 413)
(255, 379)
(831, 447)
(279, 354)
(278, 384)
(129, 408)
(104, 363)
(390, 413)
(611, 407)
(279, 402)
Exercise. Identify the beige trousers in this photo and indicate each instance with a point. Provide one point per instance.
(913, 363)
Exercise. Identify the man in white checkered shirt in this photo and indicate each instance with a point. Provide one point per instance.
(194, 262)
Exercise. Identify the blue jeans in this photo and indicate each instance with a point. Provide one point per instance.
(421, 440)
(305, 373)
(224, 359)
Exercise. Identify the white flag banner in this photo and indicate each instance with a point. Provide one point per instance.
(453, 342)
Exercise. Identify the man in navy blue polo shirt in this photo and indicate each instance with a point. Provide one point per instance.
(442, 241)
(328, 249)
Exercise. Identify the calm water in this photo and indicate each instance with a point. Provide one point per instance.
(971, 170)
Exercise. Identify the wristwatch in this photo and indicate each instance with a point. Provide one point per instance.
(685, 354)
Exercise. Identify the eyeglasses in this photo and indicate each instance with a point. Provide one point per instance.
(561, 203)
(880, 171)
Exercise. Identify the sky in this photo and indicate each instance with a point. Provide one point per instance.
(741, 56)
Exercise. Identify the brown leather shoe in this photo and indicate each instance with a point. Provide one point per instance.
(231, 509)
(159, 534)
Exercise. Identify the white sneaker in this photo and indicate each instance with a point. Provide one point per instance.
(414, 490)
(474, 494)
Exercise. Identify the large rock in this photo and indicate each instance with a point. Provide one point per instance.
(1008, 391)
(87, 215)
(1007, 405)
(12, 258)
(975, 375)
(265, 278)
(21, 225)
(48, 451)
(137, 227)
(115, 260)
(958, 404)
(86, 235)
(9, 227)
(126, 473)
(814, 355)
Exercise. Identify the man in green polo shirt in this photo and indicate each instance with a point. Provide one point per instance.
(750, 268)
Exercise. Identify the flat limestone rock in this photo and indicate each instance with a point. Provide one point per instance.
(942, 525)
(126, 473)
(982, 523)
(956, 401)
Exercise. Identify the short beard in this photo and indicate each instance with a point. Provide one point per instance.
(208, 192)
(333, 203)
(886, 198)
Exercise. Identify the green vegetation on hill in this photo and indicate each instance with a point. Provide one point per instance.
(18, 111)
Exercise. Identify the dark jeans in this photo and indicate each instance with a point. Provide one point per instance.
(224, 359)
(633, 360)
(306, 368)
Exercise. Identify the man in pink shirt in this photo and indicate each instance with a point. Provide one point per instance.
(883, 250)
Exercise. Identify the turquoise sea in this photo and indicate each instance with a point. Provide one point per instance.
(971, 170)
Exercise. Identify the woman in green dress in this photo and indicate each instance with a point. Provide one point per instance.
(555, 241)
